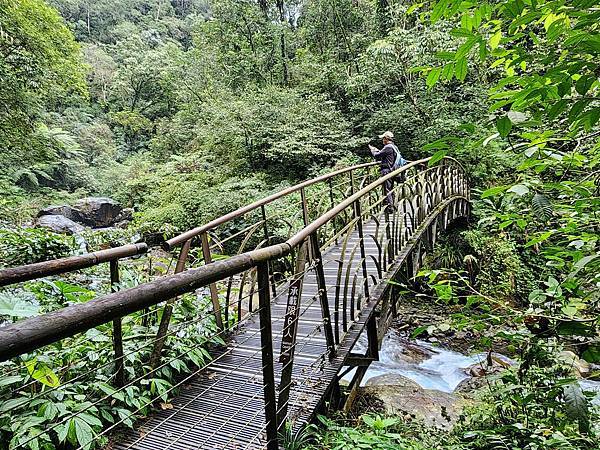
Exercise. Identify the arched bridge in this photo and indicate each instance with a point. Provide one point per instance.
(287, 285)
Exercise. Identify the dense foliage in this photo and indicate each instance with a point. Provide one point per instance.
(187, 96)
(185, 109)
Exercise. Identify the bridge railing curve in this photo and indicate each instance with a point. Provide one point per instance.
(339, 259)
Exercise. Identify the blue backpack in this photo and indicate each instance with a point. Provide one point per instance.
(400, 161)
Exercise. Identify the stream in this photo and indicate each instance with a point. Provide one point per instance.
(429, 366)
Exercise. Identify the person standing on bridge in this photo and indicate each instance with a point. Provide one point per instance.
(389, 159)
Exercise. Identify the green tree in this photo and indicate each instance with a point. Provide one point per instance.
(39, 67)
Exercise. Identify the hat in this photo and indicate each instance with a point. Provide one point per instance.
(387, 135)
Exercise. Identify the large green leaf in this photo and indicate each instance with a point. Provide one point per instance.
(433, 76)
(13, 404)
(539, 239)
(592, 354)
(83, 432)
(493, 191)
(495, 39)
(17, 307)
(574, 328)
(519, 189)
(541, 207)
(437, 156)
(503, 125)
(576, 406)
(466, 47)
(460, 69)
(438, 10)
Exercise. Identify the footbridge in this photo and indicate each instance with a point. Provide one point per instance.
(248, 332)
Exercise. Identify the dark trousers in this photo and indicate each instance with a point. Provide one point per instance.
(388, 189)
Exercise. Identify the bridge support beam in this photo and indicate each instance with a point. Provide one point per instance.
(117, 329)
(325, 312)
(266, 341)
(214, 295)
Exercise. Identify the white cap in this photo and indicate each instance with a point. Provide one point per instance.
(387, 135)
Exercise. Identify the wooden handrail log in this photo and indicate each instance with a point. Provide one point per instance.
(173, 242)
(36, 332)
(46, 268)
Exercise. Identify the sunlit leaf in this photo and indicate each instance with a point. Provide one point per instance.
(437, 157)
(503, 125)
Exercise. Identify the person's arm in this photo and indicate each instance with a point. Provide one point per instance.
(375, 151)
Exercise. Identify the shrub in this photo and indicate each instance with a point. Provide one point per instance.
(30, 245)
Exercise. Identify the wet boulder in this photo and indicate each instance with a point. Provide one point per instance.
(99, 212)
(62, 210)
(579, 367)
(400, 396)
(493, 363)
(123, 219)
(469, 386)
(393, 379)
(405, 351)
(59, 224)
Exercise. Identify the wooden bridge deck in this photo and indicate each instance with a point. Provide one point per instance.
(223, 407)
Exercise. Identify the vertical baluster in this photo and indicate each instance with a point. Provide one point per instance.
(317, 258)
(253, 276)
(358, 216)
(117, 329)
(331, 202)
(214, 295)
(266, 341)
(388, 236)
(305, 217)
(168, 310)
(267, 238)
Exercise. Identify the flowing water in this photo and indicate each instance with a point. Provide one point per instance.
(429, 366)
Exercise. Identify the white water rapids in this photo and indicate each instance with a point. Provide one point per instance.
(429, 366)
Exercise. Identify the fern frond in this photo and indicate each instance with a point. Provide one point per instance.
(43, 174)
(26, 178)
(576, 406)
(542, 207)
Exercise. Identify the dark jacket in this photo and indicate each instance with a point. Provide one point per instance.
(386, 157)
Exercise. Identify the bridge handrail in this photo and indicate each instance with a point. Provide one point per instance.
(183, 237)
(33, 333)
(12, 275)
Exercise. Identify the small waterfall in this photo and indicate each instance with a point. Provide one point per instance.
(429, 366)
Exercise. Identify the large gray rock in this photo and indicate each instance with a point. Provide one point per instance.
(99, 212)
(60, 224)
(393, 379)
(401, 396)
(62, 210)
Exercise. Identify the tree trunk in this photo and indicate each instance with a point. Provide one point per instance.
(88, 20)
(264, 7)
(158, 11)
(383, 16)
(283, 49)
